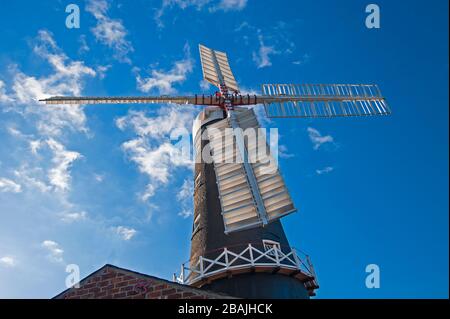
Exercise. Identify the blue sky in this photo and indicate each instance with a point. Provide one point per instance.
(95, 185)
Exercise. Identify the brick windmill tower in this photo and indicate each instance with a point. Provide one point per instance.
(238, 244)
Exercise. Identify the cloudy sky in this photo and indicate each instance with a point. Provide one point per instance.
(91, 185)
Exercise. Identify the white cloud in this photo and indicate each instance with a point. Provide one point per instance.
(47, 38)
(65, 80)
(185, 213)
(243, 25)
(15, 132)
(249, 91)
(212, 6)
(54, 249)
(125, 233)
(324, 170)
(152, 209)
(283, 152)
(167, 119)
(102, 69)
(230, 5)
(32, 178)
(261, 116)
(185, 197)
(156, 161)
(35, 146)
(3, 97)
(262, 57)
(99, 178)
(49, 170)
(275, 39)
(151, 150)
(73, 217)
(110, 32)
(149, 192)
(205, 85)
(59, 175)
(318, 139)
(7, 261)
(163, 81)
(304, 59)
(186, 190)
(83, 44)
(9, 186)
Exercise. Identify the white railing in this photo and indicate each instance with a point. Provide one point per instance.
(250, 257)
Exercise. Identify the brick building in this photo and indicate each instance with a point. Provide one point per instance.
(111, 282)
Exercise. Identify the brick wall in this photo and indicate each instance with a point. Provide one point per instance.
(111, 282)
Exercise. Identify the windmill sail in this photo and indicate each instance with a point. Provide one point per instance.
(252, 192)
(323, 100)
(216, 69)
(250, 195)
(236, 197)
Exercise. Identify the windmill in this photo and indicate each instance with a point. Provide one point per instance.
(238, 244)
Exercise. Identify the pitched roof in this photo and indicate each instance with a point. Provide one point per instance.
(100, 284)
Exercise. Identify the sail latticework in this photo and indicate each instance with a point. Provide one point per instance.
(216, 68)
(323, 100)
